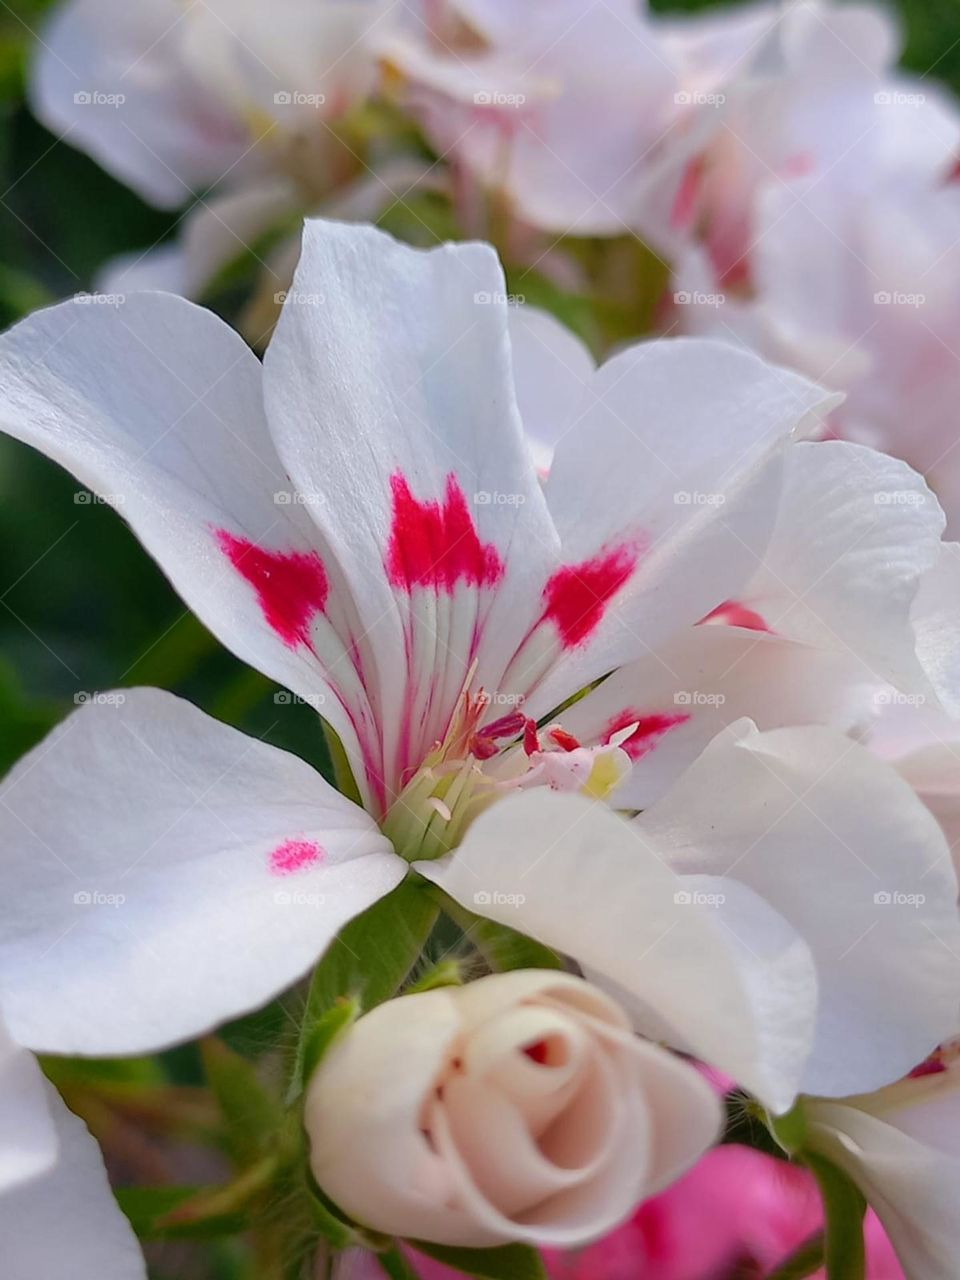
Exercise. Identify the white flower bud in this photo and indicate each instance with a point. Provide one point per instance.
(517, 1108)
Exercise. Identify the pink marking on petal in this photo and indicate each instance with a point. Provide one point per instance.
(648, 733)
(294, 855)
(687, 198)
(577, 595)
(434, 545)
(733, 614)
(291, 586)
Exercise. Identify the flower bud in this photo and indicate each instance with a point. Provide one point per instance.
(517, 1108)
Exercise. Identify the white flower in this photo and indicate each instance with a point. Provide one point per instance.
(57, 1213)
(518, 1107)
(361, 520)
(562, 106)
(174, 101)
(901, 1146)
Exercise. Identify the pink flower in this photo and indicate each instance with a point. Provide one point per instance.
(735, 1209)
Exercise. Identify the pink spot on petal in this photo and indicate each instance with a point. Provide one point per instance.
(648, 733)
(733, 614)
(294, 855)
(576, 596)
(436, 545)
(291, 586)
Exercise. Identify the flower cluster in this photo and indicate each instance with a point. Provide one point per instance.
(638, 675)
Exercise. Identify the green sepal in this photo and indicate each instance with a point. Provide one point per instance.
(503, 948)
(368, 961)
(322, 1035)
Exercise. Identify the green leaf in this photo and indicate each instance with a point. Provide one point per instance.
(251, 1115)
(144, 1205)
(510, 1262)
(368, 960)
(843, 1207)
(220, 1210)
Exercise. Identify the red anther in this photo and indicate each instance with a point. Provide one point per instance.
(482, 747)
(564, 739)
(531, 743)
(507, 726)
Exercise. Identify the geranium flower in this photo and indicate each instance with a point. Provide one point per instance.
(361, 520)
(57, 1213)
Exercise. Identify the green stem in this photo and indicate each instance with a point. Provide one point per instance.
(843, 1209)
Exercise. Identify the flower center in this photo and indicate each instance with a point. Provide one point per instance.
(479, 760)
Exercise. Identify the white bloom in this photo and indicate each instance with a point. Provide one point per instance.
(559, 105)
(518, 1107)
(901, 1145)
(361, 520)
(57, 1213)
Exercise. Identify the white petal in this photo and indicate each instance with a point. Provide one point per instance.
(855, 534)
(168, 134)
(66, 1222)
(163, 872)
(552, 369)
(936, 621)
(579, 878)
(705, 678)
(413, 449)
(840, 846)
(671, 474)
(914, 1187)
(157, 405)
(28, 1140)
